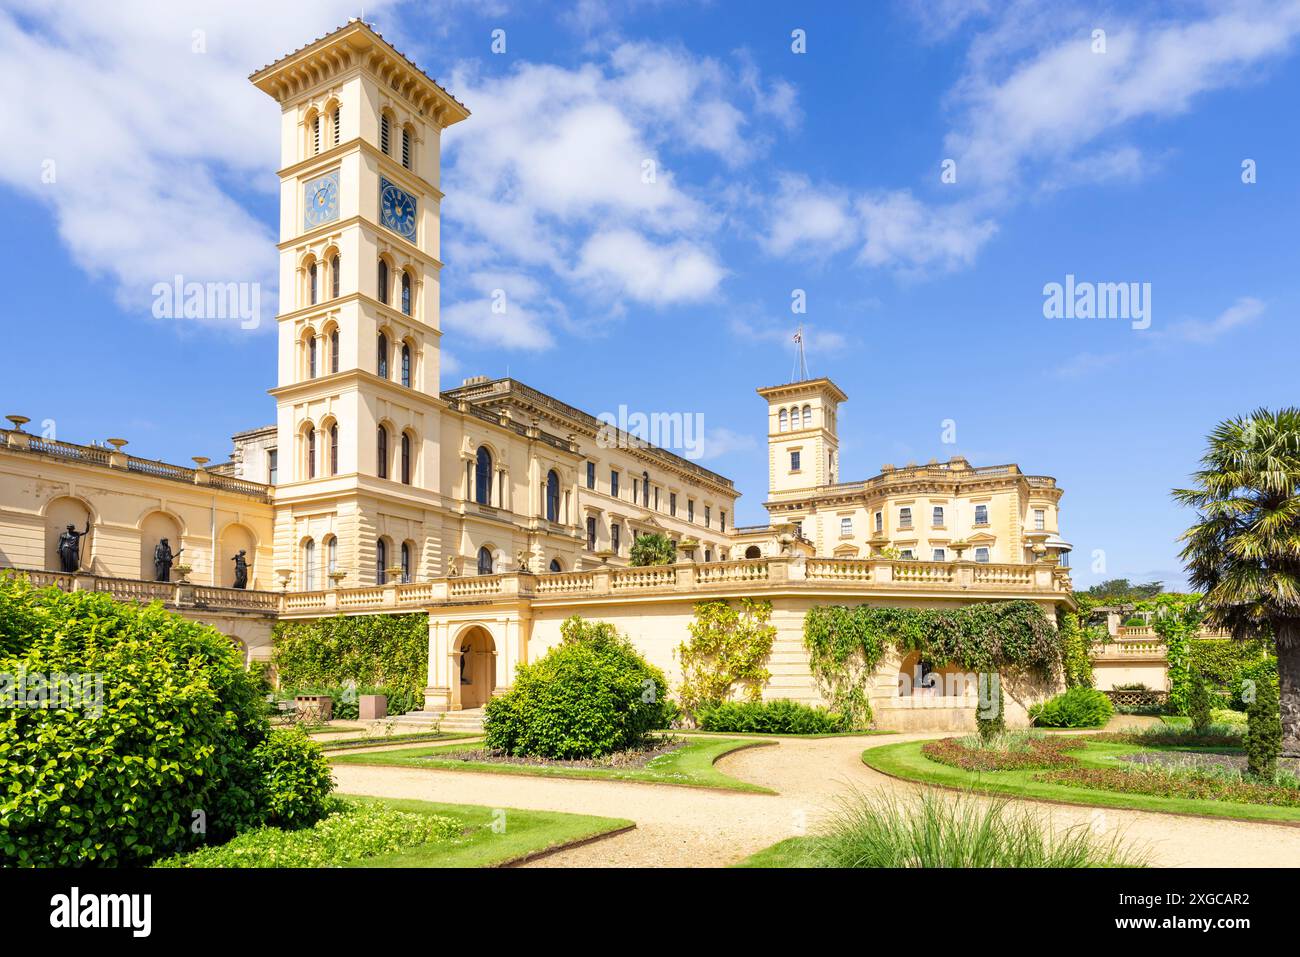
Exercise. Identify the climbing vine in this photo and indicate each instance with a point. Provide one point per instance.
(727, 653)
(1178, 618)
(1077, 640)
(846, 644)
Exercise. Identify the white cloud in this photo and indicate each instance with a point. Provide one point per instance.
(570, 175)
(657, 274)
(145, 133)
(890, 228)
(722, 441)
(1035, 110)
(1189, 332)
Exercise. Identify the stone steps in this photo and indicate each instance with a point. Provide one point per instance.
(469, 720)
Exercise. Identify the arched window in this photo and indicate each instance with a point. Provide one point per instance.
(334, 449)
(785, 421)
(552, 496)
(406, 562)
(406, 293)
(483, 476)
(311, 283)
(337, 124)
(309, 565)
(334, 277)
(315, 133)
(334, 351)
(311, 358)
(753, 551)
(311, 452)
(484, 561)
(381, 356)
(406, 364)
(383, 281)
(556, 566)
(381, 451)
(807, 417)
(332, 555)
(406, 459)
(645, 489)
(406, 148)
(381, 562)
(384, 133)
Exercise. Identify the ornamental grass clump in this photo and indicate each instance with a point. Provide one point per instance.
(1076, 708)
(929, 830)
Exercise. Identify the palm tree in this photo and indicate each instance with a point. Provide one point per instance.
(1244, 552)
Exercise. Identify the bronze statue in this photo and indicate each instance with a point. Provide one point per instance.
(241, 569)
(162, 560)
(70, 548)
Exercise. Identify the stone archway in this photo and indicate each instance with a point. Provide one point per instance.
(473, 668)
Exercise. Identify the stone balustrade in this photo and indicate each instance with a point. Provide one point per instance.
(753, 576)
(179, 595)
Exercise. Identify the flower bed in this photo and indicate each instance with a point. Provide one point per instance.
(1218, 736)
(1199, 784)
(1011, 752)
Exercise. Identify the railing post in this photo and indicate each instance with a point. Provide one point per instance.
(600, 580)
(778, 569)
(883, 572)
(332, 600)
(1043, 577)
(390, 595)
(685, 575)
(83, 581)
(441, 587)
(965, 573)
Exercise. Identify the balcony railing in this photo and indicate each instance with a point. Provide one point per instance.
(180, 595)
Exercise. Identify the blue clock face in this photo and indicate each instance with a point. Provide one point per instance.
(320, 200)
(397, 209)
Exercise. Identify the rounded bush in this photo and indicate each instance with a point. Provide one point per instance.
(589, 696)
(1076, 708)
(126, 732)
(294, 778)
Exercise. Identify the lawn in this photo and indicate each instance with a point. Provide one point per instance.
(380, 740)
(384, 832)
(689, 766)
(519, 834)
(905, 760)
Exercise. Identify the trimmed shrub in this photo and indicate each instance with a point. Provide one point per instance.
(295, 778)
(990, 716)
(1263, 732)
(587, 697)
(169, 734)
(1076, 708)
(1199, 706)
(768, 717)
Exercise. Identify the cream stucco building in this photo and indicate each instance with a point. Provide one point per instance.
(493, 507)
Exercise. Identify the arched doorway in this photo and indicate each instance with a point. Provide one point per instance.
(474, 667)
(753, 551)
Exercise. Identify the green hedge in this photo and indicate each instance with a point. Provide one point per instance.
(589, 696)
(768, 717)
(171, 748)
(1076, 708)
(374, 652)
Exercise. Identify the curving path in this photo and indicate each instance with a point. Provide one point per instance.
(687, 827)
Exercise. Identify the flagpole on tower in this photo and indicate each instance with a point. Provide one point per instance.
(800, 372)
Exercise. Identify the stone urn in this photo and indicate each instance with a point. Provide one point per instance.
(284, 575)
(183, 573)
(336, 578)
(393, 574)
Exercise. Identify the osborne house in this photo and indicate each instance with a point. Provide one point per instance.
(496, 509)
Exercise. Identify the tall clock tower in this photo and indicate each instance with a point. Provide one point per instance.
(357, 393)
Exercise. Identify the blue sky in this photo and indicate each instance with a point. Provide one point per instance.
(774, 170)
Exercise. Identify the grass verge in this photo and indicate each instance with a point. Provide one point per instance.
(688, 766)
(905, 760)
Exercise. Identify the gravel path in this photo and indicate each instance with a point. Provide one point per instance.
(685, 827)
